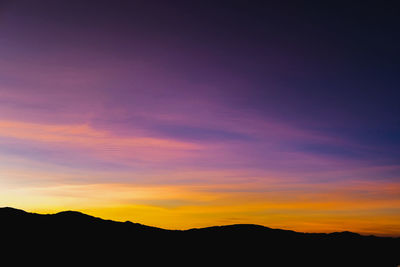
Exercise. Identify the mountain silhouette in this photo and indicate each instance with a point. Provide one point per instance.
(75, 237)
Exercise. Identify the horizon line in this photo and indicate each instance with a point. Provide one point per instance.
(198, 228)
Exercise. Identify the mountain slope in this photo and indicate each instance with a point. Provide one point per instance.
(70, 235)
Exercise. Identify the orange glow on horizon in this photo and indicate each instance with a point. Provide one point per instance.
(184, 207)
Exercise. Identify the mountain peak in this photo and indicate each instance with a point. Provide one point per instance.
(10, 210)
(72, 213)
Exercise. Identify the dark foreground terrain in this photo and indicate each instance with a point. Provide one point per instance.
(82, 240)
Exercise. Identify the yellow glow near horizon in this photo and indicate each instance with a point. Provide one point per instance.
(183, 207)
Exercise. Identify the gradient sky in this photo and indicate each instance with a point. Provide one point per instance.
(182, 114)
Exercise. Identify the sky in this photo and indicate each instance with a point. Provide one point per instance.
(183, 114)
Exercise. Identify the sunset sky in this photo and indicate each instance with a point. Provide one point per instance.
(182, 114)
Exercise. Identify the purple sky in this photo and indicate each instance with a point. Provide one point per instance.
(286, 104)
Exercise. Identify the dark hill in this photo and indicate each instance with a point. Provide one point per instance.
(73, 236)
